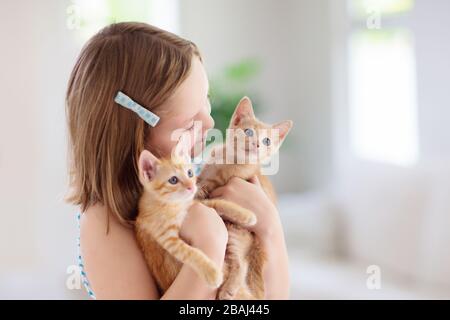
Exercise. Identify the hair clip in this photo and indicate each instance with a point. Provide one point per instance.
(125, 101)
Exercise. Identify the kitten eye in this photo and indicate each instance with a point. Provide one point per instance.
(266, 141)
(248, 132)
(190, 173)
(173, 180)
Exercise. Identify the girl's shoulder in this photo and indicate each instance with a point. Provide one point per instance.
(114, 255)
(95, 233)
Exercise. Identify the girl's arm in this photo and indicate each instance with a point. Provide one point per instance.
(188, 284)
(276, 272)
(204, 229)
(116, 268)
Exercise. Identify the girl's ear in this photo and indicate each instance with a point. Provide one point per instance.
(243, 109)
(283, 129)
(147, 166)
(181, 149)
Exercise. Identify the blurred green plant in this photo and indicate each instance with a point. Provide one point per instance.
(229, 85)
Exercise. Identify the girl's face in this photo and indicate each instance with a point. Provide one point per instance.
(188, 113)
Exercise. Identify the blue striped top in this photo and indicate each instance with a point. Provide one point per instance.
(83, 274)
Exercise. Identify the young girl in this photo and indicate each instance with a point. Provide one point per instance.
(163, 73)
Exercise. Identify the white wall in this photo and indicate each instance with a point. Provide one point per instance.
(37, 233)
(18, 149)
(432, 39)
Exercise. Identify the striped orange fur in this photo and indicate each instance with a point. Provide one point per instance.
(245, 257)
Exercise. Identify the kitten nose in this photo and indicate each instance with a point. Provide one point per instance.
(190, 187)
(256, 144)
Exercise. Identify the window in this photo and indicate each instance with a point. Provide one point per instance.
(382, 84)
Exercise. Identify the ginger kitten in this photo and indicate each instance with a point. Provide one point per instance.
(169, 189)
(242, 154)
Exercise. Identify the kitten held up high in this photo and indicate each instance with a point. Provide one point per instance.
(249, 143)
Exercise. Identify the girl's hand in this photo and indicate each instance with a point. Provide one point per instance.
(250, 195)
(204, 229)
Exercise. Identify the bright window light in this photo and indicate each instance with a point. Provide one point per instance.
(383, 106)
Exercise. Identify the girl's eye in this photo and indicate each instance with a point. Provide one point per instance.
(173, 180)
(248, 132)
(190, 173)
(266, 141)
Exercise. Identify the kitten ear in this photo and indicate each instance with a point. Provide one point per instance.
(147, 166)
(181, 149)
(283, 128)
(243, 109)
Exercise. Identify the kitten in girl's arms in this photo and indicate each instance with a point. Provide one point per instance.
(250, 144)
(169, 187)
(258, 142)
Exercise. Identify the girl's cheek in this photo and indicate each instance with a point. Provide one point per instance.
(162, 142)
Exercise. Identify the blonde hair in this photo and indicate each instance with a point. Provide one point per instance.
(105, 140)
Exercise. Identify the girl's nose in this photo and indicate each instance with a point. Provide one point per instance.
(207, 121)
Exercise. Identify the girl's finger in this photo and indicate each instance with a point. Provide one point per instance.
(254, 180)
(218, 192)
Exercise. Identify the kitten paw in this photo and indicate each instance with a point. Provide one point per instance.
(213, 276)
(247, 219)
